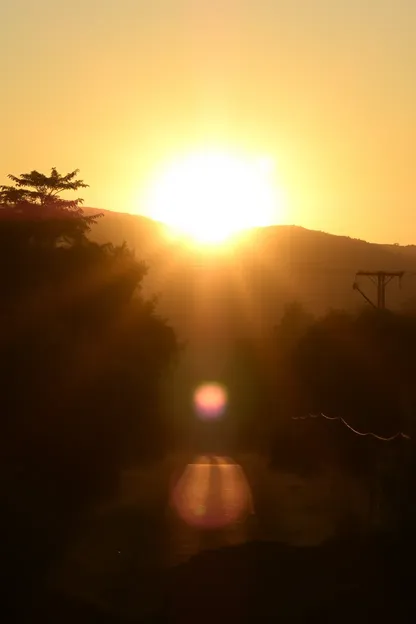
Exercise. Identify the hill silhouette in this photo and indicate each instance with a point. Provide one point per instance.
(248, 286)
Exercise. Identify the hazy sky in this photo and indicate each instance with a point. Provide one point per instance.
(118, 87)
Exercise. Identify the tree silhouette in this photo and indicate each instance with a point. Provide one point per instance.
(295, 321)
(35, 198)
(82, 356)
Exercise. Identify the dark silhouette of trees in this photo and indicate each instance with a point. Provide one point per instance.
(82, 356)
(358, 370)
(45, 216)
(357, 367)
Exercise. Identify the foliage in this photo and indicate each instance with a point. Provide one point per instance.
(83, 358)
(358, 370)
(82, 355)
(35, 201)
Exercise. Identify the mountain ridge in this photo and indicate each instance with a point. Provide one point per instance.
(264, 269)
(273, 228)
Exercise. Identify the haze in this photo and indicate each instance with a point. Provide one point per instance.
(324, 87)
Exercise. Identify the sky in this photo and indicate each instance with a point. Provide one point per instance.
(120, 88)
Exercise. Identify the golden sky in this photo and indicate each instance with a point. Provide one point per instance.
(117, 88)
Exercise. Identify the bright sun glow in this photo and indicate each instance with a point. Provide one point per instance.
(210, 196)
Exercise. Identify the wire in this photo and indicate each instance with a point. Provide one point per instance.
(399, 434)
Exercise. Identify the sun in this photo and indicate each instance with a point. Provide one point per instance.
(209, 196)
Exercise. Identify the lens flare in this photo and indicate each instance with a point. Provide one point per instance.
(210, 400)
(212, 493)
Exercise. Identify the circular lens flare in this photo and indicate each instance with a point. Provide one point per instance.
(212, 493)
(210, 400)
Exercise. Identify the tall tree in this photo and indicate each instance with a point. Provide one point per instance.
(35, 201)
(82, 359)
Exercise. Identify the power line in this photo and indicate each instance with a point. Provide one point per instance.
(399, 434)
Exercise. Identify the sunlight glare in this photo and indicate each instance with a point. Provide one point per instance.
(210, 196)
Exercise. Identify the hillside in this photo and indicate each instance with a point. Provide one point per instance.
(248, 286)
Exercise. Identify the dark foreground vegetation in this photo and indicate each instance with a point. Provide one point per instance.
(343, 581)
(82, 355)
(87, 369)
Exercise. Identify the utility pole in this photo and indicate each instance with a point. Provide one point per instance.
(380, 279)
